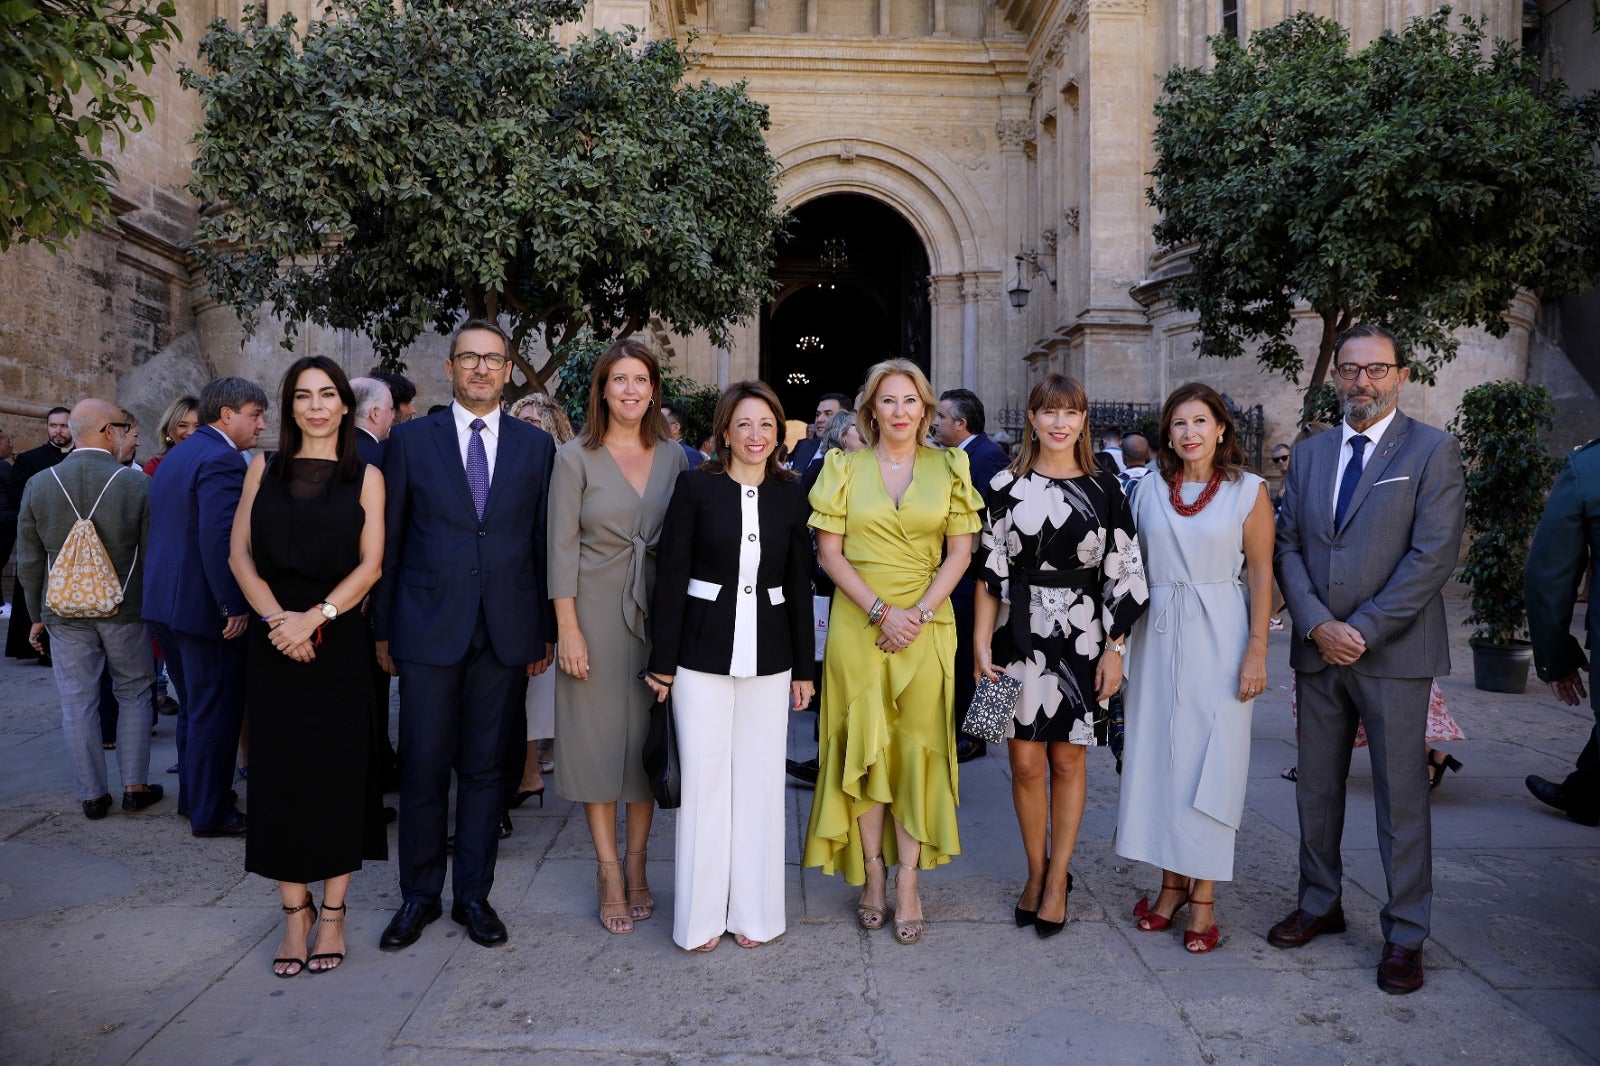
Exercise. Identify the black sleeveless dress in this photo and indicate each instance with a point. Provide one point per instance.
(315, 809)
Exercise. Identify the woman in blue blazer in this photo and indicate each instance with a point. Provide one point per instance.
(731, 628)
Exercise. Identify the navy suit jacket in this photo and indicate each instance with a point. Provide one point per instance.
(369, 448)
(986, 459)
(188, 584)
(442, 565)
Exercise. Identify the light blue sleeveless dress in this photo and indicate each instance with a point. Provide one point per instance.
(1187, 749)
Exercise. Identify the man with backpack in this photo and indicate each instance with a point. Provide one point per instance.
(80, 535)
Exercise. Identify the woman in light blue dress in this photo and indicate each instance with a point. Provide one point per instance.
(1197, 660)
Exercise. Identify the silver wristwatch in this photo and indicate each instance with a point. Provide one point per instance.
(1118, 646)
(924, 612)
(329, 611)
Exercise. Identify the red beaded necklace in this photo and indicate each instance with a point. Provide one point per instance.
(1189, 510)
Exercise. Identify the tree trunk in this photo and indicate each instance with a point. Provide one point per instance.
(1333, 324)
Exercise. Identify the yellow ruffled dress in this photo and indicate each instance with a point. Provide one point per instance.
(887, 735)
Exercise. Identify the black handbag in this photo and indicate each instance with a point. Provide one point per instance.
(661, 767)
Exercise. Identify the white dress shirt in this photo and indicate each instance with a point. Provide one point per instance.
(491, 433)
(1374, 433)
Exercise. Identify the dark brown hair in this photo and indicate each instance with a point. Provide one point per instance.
(1230, 457)
(732, 397)
(289, 435)
(653, 429)
(1060, 391)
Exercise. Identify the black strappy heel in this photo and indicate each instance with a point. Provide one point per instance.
(336, 956)
(299, 964)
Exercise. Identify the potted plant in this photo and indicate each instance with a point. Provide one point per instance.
(1508, 475)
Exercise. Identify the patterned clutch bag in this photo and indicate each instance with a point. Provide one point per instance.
(993, 706)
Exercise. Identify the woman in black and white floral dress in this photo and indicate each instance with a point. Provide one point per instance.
(1059, 548)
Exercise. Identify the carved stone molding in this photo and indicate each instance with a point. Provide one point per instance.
(1014, 132)
(1048, 239)
(847, 151)
(944, 289)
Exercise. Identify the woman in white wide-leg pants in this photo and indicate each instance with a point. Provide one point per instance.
(730, 627)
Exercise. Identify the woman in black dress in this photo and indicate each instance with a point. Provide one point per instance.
(1059, 546)
(307, 547)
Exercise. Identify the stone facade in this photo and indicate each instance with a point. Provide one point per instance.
(996, 129)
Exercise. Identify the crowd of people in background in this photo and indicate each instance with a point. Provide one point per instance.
(536, 587)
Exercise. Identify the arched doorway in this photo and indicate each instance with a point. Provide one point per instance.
(853, 289)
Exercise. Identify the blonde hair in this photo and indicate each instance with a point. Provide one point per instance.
(1058, 391)
(867, 423)
(552, 419)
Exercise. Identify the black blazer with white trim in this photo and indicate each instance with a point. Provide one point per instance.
(697, 572)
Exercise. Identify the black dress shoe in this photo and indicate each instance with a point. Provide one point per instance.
(138, 801)
(804, 772)
(1302, 927)
(232, 826)
(1554, 795)
(96, 809)
(969, 748)
(1400, 971)
(166, 706)
(390, 816)
(483, 924)
(505, 824)
(407, 924)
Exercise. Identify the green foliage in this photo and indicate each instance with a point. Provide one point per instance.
(1417, 184)
(1322, 405)
(394, 164)
(1508, 476)
(64, 85)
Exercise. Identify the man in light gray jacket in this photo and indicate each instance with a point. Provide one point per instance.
(92, 482)
(1368, 532)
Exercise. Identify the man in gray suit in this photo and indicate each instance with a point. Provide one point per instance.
(1368, 533)
(91, 482)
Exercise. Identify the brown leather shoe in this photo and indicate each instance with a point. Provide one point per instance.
(1302, 927)
(1400, 971)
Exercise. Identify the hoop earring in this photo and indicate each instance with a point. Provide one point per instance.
(1033, 434)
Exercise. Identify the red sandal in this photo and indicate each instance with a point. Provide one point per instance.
(1149, 920)
(1200, 943)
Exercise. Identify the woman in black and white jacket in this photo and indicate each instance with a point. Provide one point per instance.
(731, 627)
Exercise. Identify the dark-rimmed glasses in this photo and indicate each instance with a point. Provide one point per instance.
(1375, 371)
(470, 360)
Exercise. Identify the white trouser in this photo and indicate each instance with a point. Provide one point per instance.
(731, 740)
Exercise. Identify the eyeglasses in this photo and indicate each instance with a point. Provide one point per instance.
(1280, 458)
(1375, 371)
(470, 360)
(124, 426)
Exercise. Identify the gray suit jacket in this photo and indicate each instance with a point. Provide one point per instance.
(122, 520)
(1382, 571)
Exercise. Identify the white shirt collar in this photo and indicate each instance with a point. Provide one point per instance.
(970, 438)
(1374, 433)
(81, 448)
(464, 417)
(369, 433)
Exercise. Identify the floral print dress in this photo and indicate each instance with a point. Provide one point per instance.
(1068, 546)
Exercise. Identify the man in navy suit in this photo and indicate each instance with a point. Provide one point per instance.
(193, 603)
(374, 418)
(460, 614)
(958, 423)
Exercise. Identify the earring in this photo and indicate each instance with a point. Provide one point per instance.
(1220, 436)
(1033, 434)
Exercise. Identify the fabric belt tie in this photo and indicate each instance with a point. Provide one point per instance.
(1190, 610)
(1022, 584)
(635, 600)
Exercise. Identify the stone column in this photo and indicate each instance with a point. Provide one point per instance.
(883, 17)
(969, 332)
(946, 344)
(758, 16)
(811, 16)
(941, 25)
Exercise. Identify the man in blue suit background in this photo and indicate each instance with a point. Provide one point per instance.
(958, 423)
(193, 603)
(460, 613)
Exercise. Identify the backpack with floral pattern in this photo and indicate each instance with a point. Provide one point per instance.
(82, 581)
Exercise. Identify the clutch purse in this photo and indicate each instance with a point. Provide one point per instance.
(994, 705)
(660, 755)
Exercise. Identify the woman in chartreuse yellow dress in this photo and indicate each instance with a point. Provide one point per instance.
(895, 524)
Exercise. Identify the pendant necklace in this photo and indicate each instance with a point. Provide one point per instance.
(892, 464)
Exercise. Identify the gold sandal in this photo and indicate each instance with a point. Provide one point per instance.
(910, 930)
(869, 917)
(613, 923)
(648, 904)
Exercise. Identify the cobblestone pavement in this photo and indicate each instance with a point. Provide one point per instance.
(128, 941)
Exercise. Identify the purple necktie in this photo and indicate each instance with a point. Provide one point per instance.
(478, 468)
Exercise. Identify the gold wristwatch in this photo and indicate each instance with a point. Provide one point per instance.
(924, 612)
